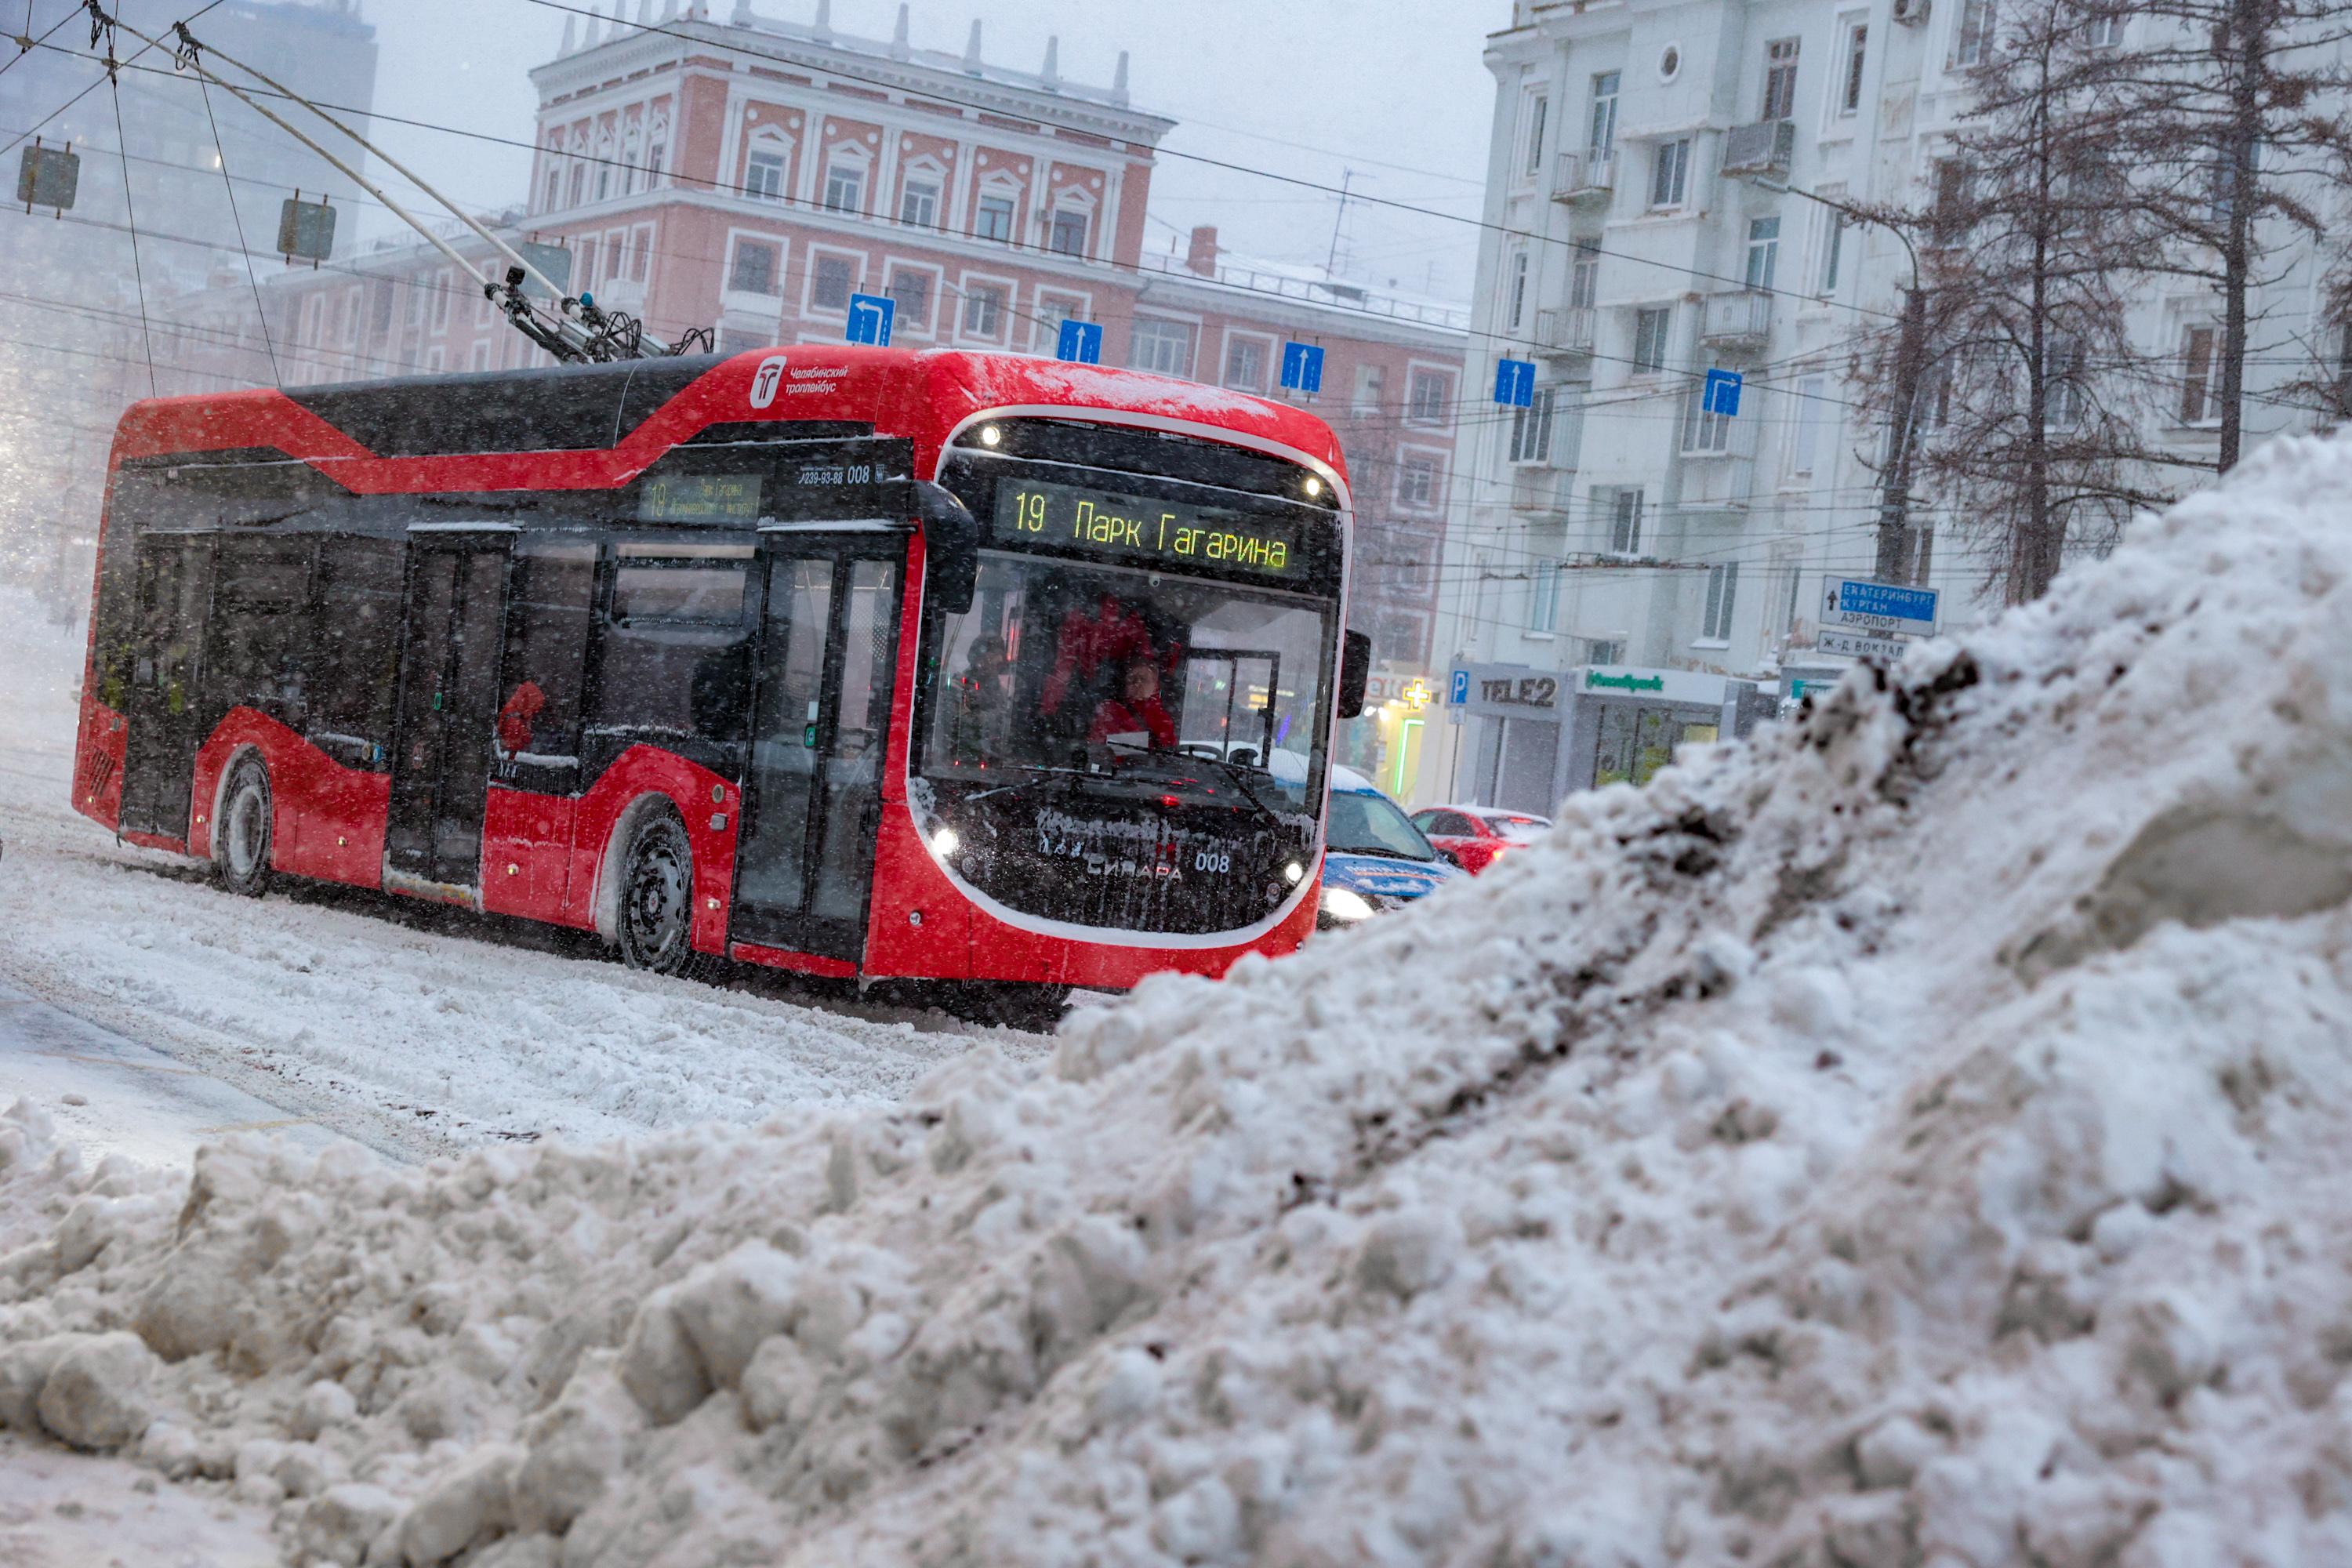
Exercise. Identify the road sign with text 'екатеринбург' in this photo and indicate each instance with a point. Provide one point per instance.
(1878, 606)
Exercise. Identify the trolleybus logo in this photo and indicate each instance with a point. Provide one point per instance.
(764, 383)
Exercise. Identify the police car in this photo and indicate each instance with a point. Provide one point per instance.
(1374, 858)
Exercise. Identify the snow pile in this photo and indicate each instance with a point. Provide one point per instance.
(1918, 1137)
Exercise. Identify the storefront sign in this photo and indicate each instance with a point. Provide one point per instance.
(1526, 691)
(1694, 687)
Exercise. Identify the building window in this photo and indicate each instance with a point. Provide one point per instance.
(1650, 329)
(1625, 521)
(1539, 111)
(2200, 393)
(983, 309)
(1604, 650)
(655, 151)
(1948, 221)
(1857, 52)
(994, 220)
(1429, 393)
(2063, 399)
(1670, 173)
(478, 356)
(1583, 276)
(1370, 381)
(832, 281)
(1603, 140)
(1804, 440)
(755, 270)
(441, 295)
(1543, 597)
(1722, 587)
(1069, 233)
(1165, 347)
(845, 188)
(1246, 364)
(1780, 79)
(1417, 482)
(1832, 248)
(554, 189)
(583, 278)
(641, 245)
(1532, 427)
(1519, 296)
(763, 180)
(910, 289)
(578, 183)
(1052, 309)
(1970, 36)
(919, 204)
(1704, 434)
(1763, 251)
(2106, 30)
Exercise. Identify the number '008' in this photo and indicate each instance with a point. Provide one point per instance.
(1211, 860)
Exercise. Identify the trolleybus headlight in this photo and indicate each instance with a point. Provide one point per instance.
(944, 842)
(990, 435)
(1313, 486)
(1343, 905)
(1294, 873)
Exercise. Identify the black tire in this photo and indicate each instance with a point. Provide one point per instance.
(241, 836)
(653, 922)
(1037, 1008)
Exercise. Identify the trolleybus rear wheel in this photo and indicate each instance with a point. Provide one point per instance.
(656, 927)
(241, 836)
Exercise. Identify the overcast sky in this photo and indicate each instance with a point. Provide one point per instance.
(1391, 89)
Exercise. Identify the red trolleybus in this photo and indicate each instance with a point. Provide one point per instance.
(851, 661)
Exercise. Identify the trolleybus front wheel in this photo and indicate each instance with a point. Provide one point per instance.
(655, 923)
(241, 835)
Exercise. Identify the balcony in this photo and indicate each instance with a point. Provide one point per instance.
(1565, 333)
(1542, 497)
(1736, 319)
(1763, 148)
(1587, 177)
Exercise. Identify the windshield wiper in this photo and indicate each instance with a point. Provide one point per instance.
(1242, 778)
(1383, 853)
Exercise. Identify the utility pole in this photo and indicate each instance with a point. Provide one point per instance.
(1346, 178)
(1894, 554)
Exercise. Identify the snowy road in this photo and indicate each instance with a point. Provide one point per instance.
(412, 1029)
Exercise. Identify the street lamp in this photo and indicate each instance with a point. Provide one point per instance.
(1910, 348)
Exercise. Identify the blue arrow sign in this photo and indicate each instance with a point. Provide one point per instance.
(1302, 367)
(1080, 342)
(870, 317)
(1515, 383)
(1721, 393)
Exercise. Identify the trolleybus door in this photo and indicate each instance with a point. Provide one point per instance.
(450, 650)
(164, 703)
(820, 725)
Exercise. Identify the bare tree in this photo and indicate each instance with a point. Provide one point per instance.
(2232, 114)
(2030, 398)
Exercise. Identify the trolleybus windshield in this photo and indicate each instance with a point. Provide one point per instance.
(1128, 726)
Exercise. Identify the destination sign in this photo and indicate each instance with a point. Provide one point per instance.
(699, 497)
(1138, 528)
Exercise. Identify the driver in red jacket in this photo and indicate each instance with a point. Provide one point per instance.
(1136, 710)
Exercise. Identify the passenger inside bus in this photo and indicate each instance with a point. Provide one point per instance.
(518, 716)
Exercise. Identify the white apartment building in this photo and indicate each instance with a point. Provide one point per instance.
(1624, 571)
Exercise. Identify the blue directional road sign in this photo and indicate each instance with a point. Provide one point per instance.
(870, 317)
(1878, 606)
(1515, 383)
(1302, 367)
(1080, 342)
(1721, 393)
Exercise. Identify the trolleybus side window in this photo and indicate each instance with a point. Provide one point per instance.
(548, 619)
(259, 644)
(675, 655)
(355, 641)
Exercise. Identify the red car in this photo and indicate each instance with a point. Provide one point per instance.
(1475, 834)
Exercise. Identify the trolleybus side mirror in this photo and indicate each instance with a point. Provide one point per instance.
(1355, 673)
(951, 549)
